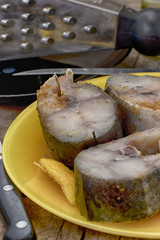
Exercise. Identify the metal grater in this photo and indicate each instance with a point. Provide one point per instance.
(73, 31)
(39, 28)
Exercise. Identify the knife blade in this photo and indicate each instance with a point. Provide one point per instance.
(13, 210)
(85, 71)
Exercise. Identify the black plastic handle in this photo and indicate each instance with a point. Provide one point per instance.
(146, 32)
(139, 30)
(12, 207)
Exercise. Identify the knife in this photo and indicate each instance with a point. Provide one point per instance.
(13, 210)
(85, 71)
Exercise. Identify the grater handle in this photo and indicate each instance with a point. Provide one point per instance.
(139, 30)
(146, 32)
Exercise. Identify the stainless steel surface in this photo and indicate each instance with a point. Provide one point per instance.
(53, 19)
(70, 31)
(93, 58)
(86, 71)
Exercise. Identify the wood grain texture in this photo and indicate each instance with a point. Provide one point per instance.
(130, 3)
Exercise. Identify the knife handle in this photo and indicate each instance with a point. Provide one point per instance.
(13, 210)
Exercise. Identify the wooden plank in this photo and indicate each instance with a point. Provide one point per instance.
(47, 225)
(70, 231)
(7, 116)
(93, 235)
(130, 60)
(137, 60)
(3, 226)
(149, 62)
(130, 3)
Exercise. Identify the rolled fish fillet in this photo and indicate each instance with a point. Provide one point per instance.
(75, 116)
(119, 181)
(138, 99)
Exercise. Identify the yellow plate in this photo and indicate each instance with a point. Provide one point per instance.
(23, 144)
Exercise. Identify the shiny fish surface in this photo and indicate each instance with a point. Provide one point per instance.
(75, 116)
(138, 99)
(119, 181)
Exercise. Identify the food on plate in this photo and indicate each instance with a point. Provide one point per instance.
(115, 179)
(119, 181)
(138, 99)
(61, 175)
(75, 116)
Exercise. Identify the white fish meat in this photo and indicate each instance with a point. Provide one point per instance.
(138, 99)
(119, 181)
(75, 116)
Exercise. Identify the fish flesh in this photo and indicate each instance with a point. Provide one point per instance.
(138, 100)
(119, 181)
(75, 116)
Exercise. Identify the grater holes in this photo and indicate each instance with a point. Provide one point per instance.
(68, 35)
(27, 17)
(26, 46)
(26, 31)
(28, 2)
(7, 7)
(7, 22)
(49, 11)
(69, 20)
(48, 26)
(47, 40)
(90, 29)
(6, 37)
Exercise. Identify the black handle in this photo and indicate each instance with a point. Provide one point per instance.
(139, 30)
(12, 207)
(146, 32)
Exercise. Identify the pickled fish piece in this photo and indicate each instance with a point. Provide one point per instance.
(138, 99)
(119, 181)
(61, 175)
(75, 116)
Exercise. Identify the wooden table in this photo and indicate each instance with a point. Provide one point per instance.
(48, 226)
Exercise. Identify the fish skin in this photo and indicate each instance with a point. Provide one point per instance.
(75, 116)
(118, 181)
(138, 100)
